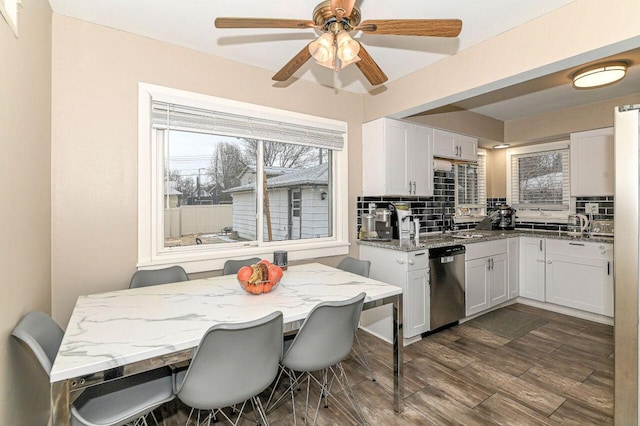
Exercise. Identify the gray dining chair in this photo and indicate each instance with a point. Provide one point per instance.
(232, 364)
(360, 267)
(146, 278)
(233, 266)
(110, 404)
(322, 343)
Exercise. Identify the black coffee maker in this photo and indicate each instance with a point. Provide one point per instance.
(506, 218)
(503, 218)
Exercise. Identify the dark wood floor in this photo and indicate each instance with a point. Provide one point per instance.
(558, 373)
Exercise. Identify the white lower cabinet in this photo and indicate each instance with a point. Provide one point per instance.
(409, 270)
(580, 275)
(514, 267)
(486, 275)
(532, 258)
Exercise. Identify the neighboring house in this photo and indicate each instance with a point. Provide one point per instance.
(171, 196)
(298, 205)
(248, 175)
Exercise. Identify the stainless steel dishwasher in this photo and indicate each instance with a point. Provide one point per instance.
(446, 280)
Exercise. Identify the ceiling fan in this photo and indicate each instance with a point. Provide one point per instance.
(336, 19)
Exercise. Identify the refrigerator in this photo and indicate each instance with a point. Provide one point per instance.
(626, 261)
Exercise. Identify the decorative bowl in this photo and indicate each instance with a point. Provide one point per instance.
(259, 287)
(252, 278)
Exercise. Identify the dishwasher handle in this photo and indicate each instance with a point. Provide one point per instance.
(446, 251)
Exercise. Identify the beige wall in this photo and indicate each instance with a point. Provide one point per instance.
(25, 254)
(497, 173)
(96, 71)
(564, 122)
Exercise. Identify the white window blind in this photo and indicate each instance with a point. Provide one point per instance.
(471, 186)
(540, 180)
(176, 117)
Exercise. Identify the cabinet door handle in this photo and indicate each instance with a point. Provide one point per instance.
(540, 245)
(576, 244)
(414, 188)
(549, 262)
(400, 261)
(409, 187)
(608, 268)
(540, 260)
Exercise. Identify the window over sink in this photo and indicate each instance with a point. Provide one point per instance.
(471, 188)
(221, 179)
(538, 183)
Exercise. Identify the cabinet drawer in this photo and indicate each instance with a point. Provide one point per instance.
(582, 249)
(487, 248)
(418, 260)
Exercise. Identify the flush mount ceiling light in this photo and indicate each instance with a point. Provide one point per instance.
(502, 145)
(599, 75)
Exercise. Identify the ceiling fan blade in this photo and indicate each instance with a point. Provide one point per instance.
(293, 65)
(263, 23)
(413, 27)
(342, 8)
(369, 68)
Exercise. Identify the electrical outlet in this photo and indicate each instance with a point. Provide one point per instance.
(591, 208)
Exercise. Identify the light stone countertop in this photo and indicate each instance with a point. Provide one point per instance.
(108, 330)
(435, 240)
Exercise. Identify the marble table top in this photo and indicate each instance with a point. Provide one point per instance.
(112, 329)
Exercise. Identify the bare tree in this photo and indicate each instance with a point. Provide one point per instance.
(280, 154)
(184, 184)
(227, 162)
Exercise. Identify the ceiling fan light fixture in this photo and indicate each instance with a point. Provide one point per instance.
(349, 62)
(599, 75)
(322, 50)
(348, 48)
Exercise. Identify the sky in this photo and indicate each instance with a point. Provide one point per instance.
(189, 152)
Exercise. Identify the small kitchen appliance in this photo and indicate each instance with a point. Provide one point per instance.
(368, 228)
(404, 222)
(383, 224)
(577, 224)
(506, 218)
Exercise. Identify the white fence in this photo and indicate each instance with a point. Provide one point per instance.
(187, 220)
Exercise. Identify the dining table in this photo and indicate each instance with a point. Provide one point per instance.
(120, 333)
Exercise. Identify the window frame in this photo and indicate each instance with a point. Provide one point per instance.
(151, 250)
(482, 207)
(537, 214)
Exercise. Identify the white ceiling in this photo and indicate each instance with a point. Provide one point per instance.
(190, 24)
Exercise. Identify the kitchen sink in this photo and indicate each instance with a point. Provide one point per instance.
(467, 236)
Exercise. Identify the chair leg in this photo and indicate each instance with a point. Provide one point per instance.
(361, 357)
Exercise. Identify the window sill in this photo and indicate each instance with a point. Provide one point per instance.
(200, 261)
(468, 219)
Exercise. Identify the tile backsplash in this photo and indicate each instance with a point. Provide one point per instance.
(438, 210)
(430, 210)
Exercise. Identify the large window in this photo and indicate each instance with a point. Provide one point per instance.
(470, 184)
(538, 179)
(228, 179)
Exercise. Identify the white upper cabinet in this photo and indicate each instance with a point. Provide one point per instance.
(452, 145)
(592, 165)
(397, 158)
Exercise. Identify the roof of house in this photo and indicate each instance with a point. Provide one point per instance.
(171, 189)
(270, 170)
(316, 175)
